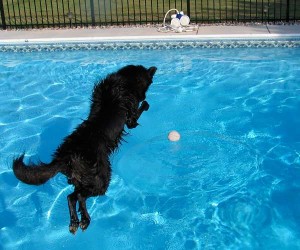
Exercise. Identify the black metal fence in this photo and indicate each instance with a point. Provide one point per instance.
(61, 13)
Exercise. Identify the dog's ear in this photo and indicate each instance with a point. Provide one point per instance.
(151, 71)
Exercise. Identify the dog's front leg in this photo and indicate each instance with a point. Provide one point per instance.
(85, 217)
(132, 120)
(144, 107)
(74, 222)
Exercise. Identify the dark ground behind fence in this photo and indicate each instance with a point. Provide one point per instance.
(61, 13)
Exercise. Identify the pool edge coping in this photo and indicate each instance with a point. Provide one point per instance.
(148, 38)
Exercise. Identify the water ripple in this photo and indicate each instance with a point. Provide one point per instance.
(201, 160)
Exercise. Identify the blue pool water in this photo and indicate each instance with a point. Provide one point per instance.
(231, 182)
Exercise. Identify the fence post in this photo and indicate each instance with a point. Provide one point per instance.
(2, 15)
(188, 10)
(93, 12)
(288, 10)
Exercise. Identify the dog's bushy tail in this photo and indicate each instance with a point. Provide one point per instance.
(34, 174)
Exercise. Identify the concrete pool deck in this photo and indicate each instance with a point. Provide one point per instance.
(144, 33)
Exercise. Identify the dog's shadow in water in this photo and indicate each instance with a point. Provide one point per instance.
(52, 136)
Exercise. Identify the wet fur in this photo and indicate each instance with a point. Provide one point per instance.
(84, 155)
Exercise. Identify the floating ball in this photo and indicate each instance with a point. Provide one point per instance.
(174, 136)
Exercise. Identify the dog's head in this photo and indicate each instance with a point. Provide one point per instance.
(138, 79)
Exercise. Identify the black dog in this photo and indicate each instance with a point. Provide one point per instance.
(84, 155)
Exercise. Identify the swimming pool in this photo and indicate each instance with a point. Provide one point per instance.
(231, 182)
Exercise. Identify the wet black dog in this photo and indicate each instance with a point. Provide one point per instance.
(84, 155)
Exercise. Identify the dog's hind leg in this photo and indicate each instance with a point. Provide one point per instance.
(74, 222)
(85, 217)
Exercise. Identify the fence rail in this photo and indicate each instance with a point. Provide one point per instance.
(62, 13)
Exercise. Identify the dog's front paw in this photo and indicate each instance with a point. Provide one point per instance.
(74, 224)
(84, 223)
(145, 105)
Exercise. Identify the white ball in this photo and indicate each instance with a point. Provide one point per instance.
(174, 136)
